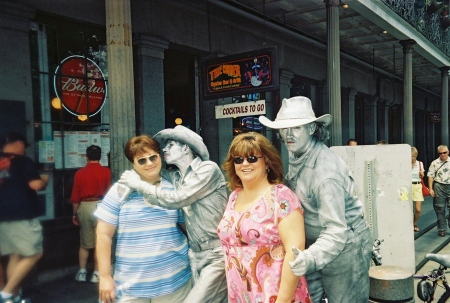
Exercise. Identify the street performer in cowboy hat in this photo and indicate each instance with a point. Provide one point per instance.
(339, 243)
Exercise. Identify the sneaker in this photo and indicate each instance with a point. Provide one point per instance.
(95, 278)
(80, 276)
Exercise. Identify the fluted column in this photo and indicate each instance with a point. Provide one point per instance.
(120, 81)
(334, 71)
(408, 127)
(444, 105)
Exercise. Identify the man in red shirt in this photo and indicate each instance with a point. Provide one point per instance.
(90, 185)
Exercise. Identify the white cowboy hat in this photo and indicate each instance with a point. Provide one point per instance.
(294, 112)
(184, 135)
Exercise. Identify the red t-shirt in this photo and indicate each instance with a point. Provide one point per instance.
(91, 181)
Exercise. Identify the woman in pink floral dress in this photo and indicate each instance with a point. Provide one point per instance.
(262, 221)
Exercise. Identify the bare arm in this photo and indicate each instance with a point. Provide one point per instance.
(39, 184)
(74, 213)
(430, 185)
(105, 233)
(292, 233)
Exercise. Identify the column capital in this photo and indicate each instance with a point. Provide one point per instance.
(444, 70)
(286, 76)
(407, 45)
(150, 46)
(332, 2)
(352, 93)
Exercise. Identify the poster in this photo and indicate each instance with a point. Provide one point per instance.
(74, 149)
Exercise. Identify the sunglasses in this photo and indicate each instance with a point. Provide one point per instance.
(143, 160)
(443, 153)
(250, 159)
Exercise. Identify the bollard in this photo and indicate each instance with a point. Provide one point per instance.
(391, 284)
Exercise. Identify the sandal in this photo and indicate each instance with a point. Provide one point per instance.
(416, 229)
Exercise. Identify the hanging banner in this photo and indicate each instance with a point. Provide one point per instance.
(241, 109)
(241, 74)
(80, 85)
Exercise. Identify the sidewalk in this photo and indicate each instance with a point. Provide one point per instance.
(63, 290)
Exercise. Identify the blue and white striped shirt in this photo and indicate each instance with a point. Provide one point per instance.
(151, 252)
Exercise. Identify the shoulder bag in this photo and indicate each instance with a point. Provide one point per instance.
(425, 190)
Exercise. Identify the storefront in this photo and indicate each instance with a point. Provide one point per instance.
(54, 70)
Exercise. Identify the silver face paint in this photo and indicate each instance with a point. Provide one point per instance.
(297, 139)
(173, 152)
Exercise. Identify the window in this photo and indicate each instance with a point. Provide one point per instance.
(70, 105)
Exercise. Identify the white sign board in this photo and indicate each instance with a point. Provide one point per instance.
(241, 109)
(382, 175)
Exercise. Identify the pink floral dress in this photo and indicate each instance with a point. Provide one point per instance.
(253, 250)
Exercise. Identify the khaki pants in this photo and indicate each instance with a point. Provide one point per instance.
(88, 223)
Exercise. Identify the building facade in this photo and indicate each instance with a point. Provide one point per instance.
(97, 72)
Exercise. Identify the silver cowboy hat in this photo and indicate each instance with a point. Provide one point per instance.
(294, 112)
(184, 135)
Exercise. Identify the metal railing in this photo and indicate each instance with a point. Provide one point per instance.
(428, 17)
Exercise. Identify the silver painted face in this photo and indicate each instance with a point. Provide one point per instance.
(297, 139)
(173, 152)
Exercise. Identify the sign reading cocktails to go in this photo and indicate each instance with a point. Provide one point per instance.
(80, 85)
(241, 109)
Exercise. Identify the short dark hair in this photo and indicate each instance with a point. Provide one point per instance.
(140, 144)
(94, 152)
(11, 137)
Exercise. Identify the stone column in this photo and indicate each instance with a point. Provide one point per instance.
(120, 81)
(351, 113)
(444, 105)
(150, 114)
(285, 92)
(334, 71)
(285, 85)
(408, 127)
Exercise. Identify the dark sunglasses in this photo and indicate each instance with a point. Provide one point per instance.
(250, 159)
(443, 153)
(143, 160)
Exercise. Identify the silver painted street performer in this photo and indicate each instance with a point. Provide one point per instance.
(336, 260)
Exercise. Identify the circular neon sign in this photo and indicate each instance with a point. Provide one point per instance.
(80, 85)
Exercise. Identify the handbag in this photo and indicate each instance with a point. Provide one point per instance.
(425, 190)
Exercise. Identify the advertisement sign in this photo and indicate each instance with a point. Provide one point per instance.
(80, 85)
(435, 117)
(241, 74)
(241, 109)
